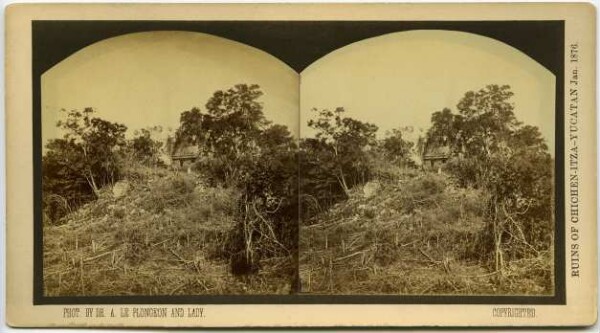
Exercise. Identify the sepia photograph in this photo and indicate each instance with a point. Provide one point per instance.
(178, 163)
(301, 165)
(169, 168)
(427, 168)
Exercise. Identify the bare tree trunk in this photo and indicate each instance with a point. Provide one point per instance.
(340, 177)
(498, 231)
(248, 234)
(89, 176)
(342, 182)
(90, 179)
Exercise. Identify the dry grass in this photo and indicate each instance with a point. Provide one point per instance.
(418, 235)
(166, 236)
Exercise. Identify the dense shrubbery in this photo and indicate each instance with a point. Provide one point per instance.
(76, 166)
(511, 163)
(92, 154)
(239, 148)
(343, 154)
(485, 225)
(493, 204)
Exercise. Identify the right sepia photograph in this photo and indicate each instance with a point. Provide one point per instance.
(427, 163)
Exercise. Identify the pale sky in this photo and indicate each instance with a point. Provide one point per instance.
(147, 79)
(400, 79)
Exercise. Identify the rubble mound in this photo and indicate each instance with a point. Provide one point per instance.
(415, 235)
(155, 233)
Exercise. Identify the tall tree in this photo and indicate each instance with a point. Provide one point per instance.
(76, 166)
(445, 130)
(341, 145)
(510, 162)
(97, 142)
(488, 119)
(395, 148)
(239, 147)
(227, 133)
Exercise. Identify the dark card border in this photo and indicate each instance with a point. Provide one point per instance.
(543, 41)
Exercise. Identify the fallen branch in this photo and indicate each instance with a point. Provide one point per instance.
(177, 288)
(478, 276)
(156, 244)
(98, 256)
(349, 256)
(429, 257)
(407, 244)
(179, 257)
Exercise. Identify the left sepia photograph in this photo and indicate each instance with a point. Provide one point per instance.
(169, 168)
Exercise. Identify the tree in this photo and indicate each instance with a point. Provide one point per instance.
(63, 185)
(144, 147)
(193, 125)
(487, 120)
(520, 184)
(341, 145)
(227, 133)
(76, 166)
(510, 161)
(98, 142)
(239, 147)
(396, 149)
(445, 130)
(272, 188)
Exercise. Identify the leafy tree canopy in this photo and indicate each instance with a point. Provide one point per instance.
(396, 149)
(496, 152)
(77, 165)
(340, 147)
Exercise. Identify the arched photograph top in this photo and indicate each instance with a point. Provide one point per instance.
(423, 157)
(428, 168)
(173, 164)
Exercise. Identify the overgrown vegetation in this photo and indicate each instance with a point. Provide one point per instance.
(76, 166)
(483, 226)
(118, 220)
(240, 149)
(129, 214)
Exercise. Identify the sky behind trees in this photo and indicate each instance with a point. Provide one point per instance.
(148, 79)
(400, 79)
(395, 80)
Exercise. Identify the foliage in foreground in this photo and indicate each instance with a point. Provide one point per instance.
(478, 229)
(241, 152)
(167, 236)
(510, 161)
(420, 235)
(417, 226)
(240, 149)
